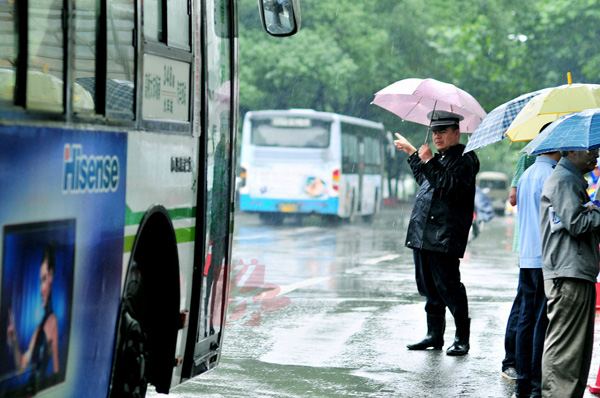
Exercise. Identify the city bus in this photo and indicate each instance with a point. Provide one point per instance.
(300, 162)
(117, 135)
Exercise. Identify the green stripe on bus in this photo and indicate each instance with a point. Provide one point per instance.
(182, 235)
(132, 218)
(128, 244)
(185, 235)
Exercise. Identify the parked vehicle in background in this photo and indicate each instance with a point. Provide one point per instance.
(484, 212)
(300, 162)
(496, 186)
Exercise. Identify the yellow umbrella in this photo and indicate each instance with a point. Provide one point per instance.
(551, 105)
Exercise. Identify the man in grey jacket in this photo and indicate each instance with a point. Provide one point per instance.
(570, 227)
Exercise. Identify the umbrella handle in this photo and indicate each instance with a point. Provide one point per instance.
(429, 127)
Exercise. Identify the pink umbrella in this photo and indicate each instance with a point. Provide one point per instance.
(413, 99)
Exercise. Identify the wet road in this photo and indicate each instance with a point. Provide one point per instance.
(339, 307)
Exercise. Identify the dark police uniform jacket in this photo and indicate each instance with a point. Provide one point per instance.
(443, 210)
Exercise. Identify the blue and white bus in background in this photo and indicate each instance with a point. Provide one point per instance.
(300, 162)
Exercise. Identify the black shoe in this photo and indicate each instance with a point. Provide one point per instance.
(436, 325)
(461, 339)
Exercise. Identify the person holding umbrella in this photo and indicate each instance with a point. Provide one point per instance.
(570, 229)
(439, 227)
(531, 300)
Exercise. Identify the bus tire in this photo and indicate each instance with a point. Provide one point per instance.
(149, 317)
(129, 372)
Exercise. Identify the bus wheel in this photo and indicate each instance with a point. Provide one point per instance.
(129, 370)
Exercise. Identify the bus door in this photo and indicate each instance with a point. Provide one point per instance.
(217, 143)
(361, 173)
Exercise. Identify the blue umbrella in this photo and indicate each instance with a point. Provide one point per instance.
(573, 132)
(495, 124)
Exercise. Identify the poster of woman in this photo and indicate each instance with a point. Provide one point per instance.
(37, 278)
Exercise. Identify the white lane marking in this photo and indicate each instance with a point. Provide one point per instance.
(278, 234)
(253, 237)
(378, 260)
(304, 283)
(313, 281)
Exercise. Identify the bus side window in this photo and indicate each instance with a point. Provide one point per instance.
(84, 70)
(8, 50)
(176, 13)
(350, 154)
(45, 66)
(167, 59)
(153, 20)
(178, 24)
(373, 155)
(120, 63)
(221, 22)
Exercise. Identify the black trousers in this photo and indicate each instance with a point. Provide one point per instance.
(438, 280)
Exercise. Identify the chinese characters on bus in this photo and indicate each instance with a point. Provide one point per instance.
(165, 89)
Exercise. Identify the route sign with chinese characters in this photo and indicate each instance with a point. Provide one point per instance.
(166, 88)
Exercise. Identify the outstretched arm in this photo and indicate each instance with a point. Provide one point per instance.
(402, 144)
(21, 359)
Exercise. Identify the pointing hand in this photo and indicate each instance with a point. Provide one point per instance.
(402, 144)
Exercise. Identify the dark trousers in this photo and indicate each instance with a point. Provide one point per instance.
(510, 337)
(531, 331)
(438, 280)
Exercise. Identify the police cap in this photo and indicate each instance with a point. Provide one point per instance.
(442, 119)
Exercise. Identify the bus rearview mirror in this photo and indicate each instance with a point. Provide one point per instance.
(280, 17)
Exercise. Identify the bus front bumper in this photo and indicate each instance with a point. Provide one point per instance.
(326, 206)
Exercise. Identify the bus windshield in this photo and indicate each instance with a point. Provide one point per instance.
(291, 132)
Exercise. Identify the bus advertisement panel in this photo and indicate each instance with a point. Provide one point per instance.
(117, 140)
(62, 213)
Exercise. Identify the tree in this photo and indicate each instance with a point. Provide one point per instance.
(348, 50)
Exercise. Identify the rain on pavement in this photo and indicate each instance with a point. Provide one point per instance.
(339, 306)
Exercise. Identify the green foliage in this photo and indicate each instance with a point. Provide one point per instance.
(347, 50)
